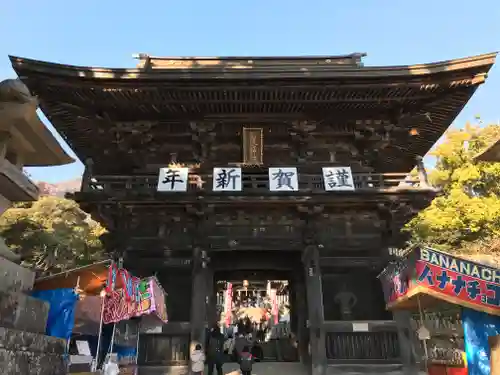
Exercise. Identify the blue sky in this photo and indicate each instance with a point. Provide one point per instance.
(392, 32)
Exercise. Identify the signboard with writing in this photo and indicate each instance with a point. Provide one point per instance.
(443, 276)
(396, 281)
(136, 298)
(173, 179)
(227, 179)
(459, 281)
(228, 308)
(152, 299)
(274, 306)
(283, 179)
(338, 179)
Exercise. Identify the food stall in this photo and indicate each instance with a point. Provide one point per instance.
(456, 306)
(107, 295)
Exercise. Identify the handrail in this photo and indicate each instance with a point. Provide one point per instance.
(256, 182)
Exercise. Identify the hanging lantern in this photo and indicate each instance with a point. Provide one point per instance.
(414, 132)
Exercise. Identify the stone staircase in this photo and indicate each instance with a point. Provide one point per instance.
(24, 348)
(279, 368)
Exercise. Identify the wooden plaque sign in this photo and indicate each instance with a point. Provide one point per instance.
(253, 146)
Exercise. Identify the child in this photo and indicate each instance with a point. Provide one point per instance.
(197, 360)
(246, 361)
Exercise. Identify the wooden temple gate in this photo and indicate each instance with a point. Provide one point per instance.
(254, 114)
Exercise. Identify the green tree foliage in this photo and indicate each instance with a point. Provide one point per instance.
(52, 234)
(467, 213)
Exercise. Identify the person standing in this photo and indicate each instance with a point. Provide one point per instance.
(215, 352)
(197, 360)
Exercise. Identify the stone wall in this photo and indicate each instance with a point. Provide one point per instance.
(24, 349)
(29, 353)
(13, 277)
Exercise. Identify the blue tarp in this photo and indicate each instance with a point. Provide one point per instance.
(61, 313)
(478, 326)
(125, 353)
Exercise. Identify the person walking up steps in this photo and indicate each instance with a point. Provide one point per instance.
(246, 361)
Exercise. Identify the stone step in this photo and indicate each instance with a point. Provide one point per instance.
(29, 353)
(275, 368)
(23, 312)
(15, 278)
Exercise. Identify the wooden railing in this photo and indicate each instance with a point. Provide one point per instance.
(378, 345)
(254, 182)
(163, 349)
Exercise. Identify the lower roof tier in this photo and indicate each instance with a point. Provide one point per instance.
(123, 119)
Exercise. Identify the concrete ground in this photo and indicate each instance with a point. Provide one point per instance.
(275, 368)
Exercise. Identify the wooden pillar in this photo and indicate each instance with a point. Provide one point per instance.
(212, 298)
(406, 340)
(87, 176)
(198, 299)
(315, 311)
(300, 307)
(292, 302)
(494, 342)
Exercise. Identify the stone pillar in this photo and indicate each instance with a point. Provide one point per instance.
(315, 310)
(198, 299)
(5, 138)
(406, 342)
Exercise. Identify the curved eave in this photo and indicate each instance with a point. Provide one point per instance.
(50, 152)
(480, 63)
(37, 144)
(491, 154)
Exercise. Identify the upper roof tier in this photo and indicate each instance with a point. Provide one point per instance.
(352, 60)
(134, 117)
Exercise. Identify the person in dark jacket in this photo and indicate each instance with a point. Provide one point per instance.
(239, 343)
(246, 361)
(215, 351)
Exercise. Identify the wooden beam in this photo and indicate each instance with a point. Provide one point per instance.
(223, 100)
(158, 262)
(255, 275)
(331, 263)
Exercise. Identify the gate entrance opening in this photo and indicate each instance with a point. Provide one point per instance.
(256, 312)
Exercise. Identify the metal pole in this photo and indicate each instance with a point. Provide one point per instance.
(421, 313)
(96, 360)
(112, 339)
(137, 343)
(120, 266)
(77, 292)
